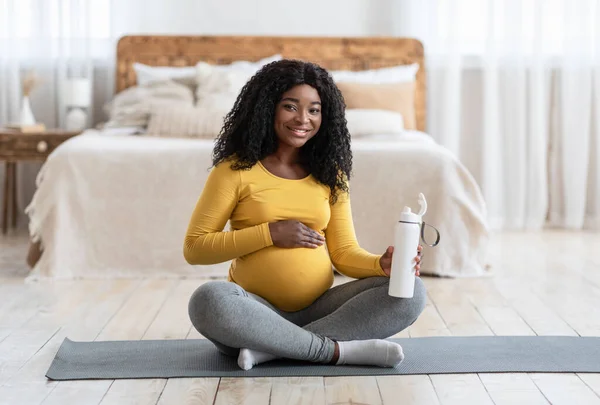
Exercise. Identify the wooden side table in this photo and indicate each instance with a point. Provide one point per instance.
(16, 146)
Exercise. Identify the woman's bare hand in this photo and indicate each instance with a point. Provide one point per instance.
(294, 234)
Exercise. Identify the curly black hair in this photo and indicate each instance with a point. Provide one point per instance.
(248, 133)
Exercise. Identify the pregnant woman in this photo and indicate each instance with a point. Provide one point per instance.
(282, 165)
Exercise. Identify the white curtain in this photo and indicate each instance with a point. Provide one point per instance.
(56, 40)
(514, 91)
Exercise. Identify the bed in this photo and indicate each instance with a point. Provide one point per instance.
(115, 202)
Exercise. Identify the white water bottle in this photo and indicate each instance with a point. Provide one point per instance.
(406, 243)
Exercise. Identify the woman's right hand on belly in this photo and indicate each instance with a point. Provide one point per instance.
(294, 234)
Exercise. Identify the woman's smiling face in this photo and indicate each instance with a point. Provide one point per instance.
(298, 115)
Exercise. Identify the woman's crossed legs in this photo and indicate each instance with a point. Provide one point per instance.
(357, 315)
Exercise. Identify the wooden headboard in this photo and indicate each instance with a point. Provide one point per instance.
(329, 52)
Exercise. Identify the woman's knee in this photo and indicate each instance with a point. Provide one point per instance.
(409, 309)
(206, 304)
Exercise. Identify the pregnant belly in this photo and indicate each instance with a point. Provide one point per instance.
(290, 279)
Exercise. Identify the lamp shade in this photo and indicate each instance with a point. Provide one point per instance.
(77, 92)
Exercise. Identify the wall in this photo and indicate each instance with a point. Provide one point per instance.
(259, 17)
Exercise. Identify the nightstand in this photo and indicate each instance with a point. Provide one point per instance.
(16, 146)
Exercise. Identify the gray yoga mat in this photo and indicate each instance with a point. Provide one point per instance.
(429, 355)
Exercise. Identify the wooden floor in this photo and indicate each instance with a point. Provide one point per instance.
(544, 284)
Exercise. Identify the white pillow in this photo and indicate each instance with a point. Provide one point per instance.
(223, 83)
(250, 66)
(187, 74)
(363, 122)
(244, 65)
(213, 80)
(146, 74)
(395, 74)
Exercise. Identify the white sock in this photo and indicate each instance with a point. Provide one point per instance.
(250, 358)
(374, 352)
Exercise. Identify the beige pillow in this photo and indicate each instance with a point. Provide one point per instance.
(132, 106)
(398, 97)
(185, 121)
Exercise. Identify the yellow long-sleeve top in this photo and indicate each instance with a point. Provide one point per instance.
(289, 278)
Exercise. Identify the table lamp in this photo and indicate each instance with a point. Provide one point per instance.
(77, 96)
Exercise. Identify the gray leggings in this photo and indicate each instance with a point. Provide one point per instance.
(362, 309)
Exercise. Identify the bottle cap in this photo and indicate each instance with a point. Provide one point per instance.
(423, 204)
(408, 216)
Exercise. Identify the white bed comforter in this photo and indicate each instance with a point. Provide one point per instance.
(111, 206)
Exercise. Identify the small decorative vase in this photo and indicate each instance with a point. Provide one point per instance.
(26, 117)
